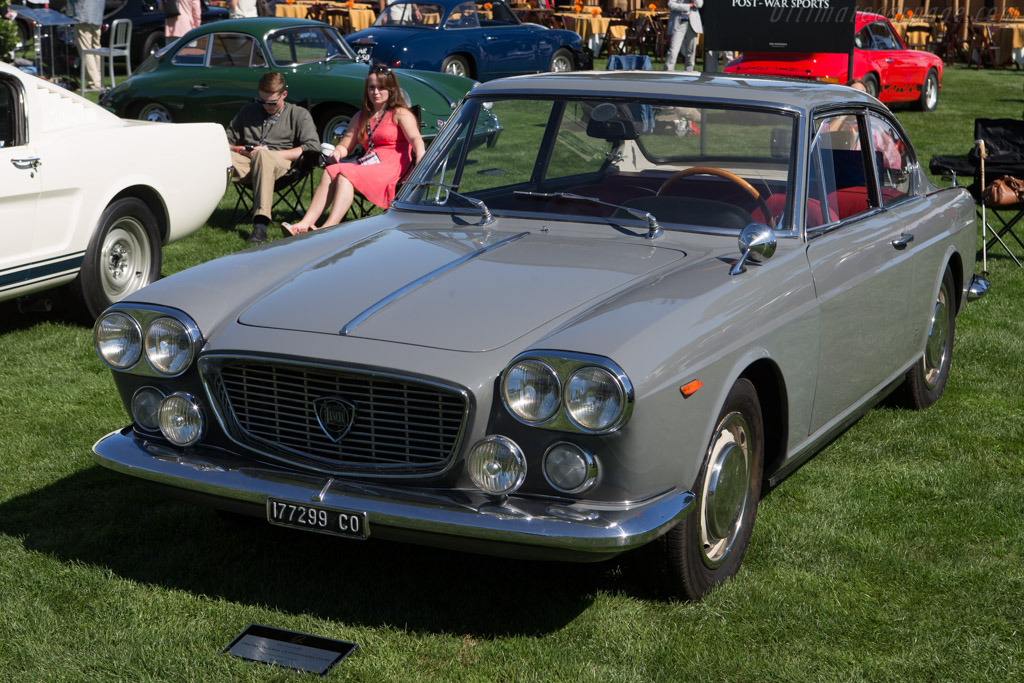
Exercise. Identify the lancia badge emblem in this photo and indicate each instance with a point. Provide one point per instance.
(335, 416)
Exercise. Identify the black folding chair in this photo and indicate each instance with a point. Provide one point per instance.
(291, 189)
(1004, 144)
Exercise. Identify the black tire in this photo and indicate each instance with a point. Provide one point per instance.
(708, 546)
(929, 92)
(926, 381)
(154, 41)
(123, 256)
(457, 65)
(153, 111)
(870, 82)
(333, 121)
(561, 61)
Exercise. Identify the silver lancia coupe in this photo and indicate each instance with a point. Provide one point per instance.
(652, 297)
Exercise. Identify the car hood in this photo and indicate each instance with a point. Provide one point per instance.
(461, 290)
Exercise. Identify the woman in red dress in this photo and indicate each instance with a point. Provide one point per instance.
(389, 133)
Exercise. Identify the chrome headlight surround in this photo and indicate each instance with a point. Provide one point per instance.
(181, 418)
(143, 317)
(566, 365)
(117, 338)
(169, 346)
(531, 390)
(497, 465)
(560, 455)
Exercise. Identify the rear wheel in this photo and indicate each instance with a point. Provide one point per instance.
(154, 41)
(708, 546)
(154, 111)
(926, 381)
(561, 61)
(123, 256)
(456, 65)
(929, 92)
(334, 122)
(870, 82)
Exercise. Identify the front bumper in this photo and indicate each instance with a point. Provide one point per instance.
(516, 526)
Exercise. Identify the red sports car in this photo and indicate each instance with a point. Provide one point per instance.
(890, 71)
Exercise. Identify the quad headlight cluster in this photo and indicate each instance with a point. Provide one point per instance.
(557, 391)
(154, 343)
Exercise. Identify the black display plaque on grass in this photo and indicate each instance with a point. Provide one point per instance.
(290, 649)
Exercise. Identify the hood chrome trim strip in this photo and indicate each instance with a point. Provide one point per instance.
(351, 325)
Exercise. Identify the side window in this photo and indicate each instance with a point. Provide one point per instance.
(891, 159)
(232, 50)
(10, 115)
(193, 54)
(882, 37)
(463, 16)
(837, 182)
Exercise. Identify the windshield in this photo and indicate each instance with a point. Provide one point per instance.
(690, 165)
(304, 44)
(415, 14)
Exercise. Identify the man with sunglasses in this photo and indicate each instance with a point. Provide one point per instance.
(267, 137)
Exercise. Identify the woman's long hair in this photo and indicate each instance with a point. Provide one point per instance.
(387, 78)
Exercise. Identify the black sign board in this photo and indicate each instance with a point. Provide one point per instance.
(779, 25)
(289, 649)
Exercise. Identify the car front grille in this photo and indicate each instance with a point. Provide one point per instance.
(397, 426)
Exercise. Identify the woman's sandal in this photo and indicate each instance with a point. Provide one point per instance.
(291, 230)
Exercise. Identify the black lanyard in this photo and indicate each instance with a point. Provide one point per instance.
(264, 131)
(369, 134)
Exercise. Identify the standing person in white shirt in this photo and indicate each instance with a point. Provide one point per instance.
(242, 8)
(684, 28)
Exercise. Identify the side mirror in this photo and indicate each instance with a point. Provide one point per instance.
(757, 243)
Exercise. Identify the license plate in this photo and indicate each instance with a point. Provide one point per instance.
(363, 55)
(315, 518)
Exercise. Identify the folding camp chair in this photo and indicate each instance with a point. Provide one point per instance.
(291, 189)
(1004, 143)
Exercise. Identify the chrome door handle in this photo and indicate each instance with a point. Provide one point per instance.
(200, 86)
(32, 162)
(490, 38)
(889, 61)
(903, 240)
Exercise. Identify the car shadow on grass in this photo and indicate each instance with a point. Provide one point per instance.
(99, 518)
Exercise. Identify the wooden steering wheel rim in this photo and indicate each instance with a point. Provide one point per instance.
(721, 173)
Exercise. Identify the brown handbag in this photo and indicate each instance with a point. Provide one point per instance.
(1004, 191)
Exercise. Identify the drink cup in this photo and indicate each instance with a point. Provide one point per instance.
(327, 149)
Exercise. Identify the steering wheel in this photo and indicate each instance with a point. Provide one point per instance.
(721, 173)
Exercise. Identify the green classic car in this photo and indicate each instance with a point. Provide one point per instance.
(211, 71)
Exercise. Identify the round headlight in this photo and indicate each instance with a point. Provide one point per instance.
(181, 420)
(569, 468)
(497, 465)
(118, 340)
(146, 407)
(594, 398)
(531, 390)
(168, 346)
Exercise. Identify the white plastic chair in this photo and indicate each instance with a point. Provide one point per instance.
(120, 46)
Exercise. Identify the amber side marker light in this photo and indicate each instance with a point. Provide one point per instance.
(690, 388)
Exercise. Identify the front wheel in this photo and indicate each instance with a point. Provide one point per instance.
(455, 65)
(334, 123)
(708, 546)
(870, 82)
(561, 61)
(926, 381)
(123, 256)
(929, 92)
(154, 111)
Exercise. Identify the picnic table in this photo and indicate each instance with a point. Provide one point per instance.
(354, 18)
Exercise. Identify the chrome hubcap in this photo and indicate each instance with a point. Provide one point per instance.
(125, 259)
(726, 489)
(457, 69)
(336, 128)
(155, 113)
(935, 352)
(561, 64)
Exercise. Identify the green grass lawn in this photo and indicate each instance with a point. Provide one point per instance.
(895, 554)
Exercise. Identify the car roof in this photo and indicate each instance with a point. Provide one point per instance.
(735, 88)
(256, 26)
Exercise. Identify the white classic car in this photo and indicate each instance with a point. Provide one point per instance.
(88, 198)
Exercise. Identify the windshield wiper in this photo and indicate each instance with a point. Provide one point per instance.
(653, 229)
(485, 213)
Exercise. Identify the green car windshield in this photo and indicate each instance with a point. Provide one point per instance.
(693, 166)
(304, 44)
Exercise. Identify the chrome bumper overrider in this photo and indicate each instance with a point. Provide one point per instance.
(549, 528)
(979, 288)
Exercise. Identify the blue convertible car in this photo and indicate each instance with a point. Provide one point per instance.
(480, 40)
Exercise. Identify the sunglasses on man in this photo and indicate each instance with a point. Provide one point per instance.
(260, 100)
